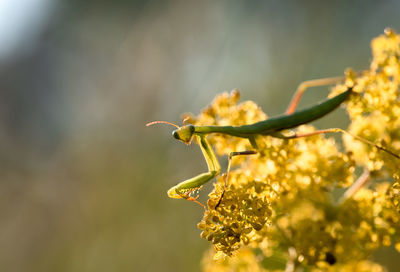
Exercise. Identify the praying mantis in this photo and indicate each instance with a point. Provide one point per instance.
(273, 127)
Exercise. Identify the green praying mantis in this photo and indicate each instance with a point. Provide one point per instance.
(272, 127)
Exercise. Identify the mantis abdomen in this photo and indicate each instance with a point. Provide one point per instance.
(281, 122)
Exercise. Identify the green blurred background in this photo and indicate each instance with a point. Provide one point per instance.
(82, 181)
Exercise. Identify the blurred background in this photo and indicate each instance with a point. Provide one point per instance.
(82, 181)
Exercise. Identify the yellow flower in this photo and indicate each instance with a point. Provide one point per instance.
(281, 202)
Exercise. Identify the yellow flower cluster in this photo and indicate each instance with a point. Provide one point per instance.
(394, 193)
(375, 110)
(280, 210)
(245, 210)
(248, 260)
(283, 168)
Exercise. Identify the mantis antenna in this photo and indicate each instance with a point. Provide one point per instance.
(161, 122)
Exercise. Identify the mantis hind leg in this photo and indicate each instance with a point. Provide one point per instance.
(335, 130)
(231, 155)
(307, 84)
(366, 174)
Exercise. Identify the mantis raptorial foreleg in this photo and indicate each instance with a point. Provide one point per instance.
(185, 188)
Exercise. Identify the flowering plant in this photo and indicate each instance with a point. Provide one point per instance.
(280, 211)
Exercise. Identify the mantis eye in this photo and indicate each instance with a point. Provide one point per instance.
(175, 134)
(192, 128)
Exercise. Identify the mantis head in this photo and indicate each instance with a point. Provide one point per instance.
(183, 133)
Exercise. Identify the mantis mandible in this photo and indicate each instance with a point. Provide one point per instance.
(271, 127)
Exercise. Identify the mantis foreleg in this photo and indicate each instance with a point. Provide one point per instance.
(183, 189)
